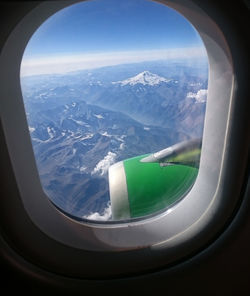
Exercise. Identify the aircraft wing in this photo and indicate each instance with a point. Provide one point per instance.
(187, 152)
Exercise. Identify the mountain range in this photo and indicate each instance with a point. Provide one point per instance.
(80, 124)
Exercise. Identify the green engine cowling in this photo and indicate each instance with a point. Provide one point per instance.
(143, 185)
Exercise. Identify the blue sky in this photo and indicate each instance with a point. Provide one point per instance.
(103, 32)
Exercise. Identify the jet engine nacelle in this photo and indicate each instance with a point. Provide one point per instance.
(147, 184)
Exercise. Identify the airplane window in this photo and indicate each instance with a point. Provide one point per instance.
(115, 95)
(115, 98)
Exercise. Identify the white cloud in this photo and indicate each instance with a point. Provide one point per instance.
(103, 165)
(105, 216)
(200, 96)
(65, 63)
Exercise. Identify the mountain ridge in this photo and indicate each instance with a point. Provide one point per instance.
(74, 145)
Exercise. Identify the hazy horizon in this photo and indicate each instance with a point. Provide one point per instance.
(97, 33)
(67, 64)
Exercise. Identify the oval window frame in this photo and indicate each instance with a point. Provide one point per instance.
(145, 242)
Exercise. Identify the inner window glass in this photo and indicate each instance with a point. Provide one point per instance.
(115, 97)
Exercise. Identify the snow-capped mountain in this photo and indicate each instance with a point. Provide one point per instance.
(144, 78)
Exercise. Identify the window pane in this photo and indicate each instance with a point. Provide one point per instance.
(108, 87)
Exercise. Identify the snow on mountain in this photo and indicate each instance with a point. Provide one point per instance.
(99, 116)
(31, 129)
(51, 132)
(144, 78)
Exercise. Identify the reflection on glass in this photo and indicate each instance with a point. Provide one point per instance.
(108, 87)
